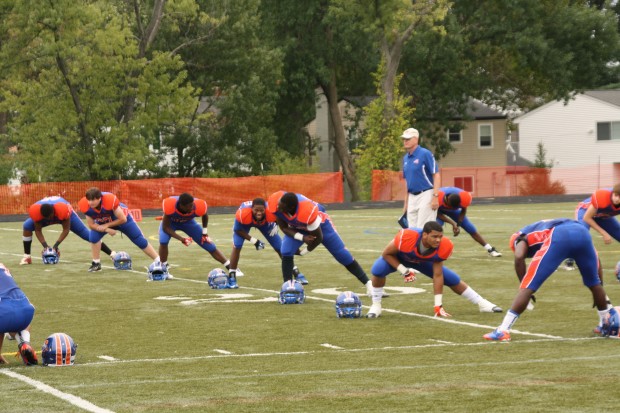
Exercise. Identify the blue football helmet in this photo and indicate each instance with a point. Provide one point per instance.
(50, 256)
(292, 292)
(611, 323)
(157, 272)
(218, 280)
(58, 350)
(618, 270)
(348, 305)
(122, 261)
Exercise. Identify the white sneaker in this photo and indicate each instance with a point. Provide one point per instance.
(375, 310)
(530, 305)
(494, 253)
(26, 260)
(239, 273)
(486, 306)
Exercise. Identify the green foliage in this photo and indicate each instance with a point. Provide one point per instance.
(382, 146)
(541, 157)
(284, 164)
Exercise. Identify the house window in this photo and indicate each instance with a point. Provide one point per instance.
(485, 136)
(455, 136)
(466, 183)
(606, 131)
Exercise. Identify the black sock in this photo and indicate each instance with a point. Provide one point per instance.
(355, 269)
(106, 249)
(27, 247)
(287, 268)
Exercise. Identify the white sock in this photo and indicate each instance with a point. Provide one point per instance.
(472, 295)
(227, 263)
(601, 316)
(509, 319)
(96, 261)
(488, 247)
(22, 336)
(377, 294)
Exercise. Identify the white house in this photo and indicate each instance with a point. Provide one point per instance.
(581, 137)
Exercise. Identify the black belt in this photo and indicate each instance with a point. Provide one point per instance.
(419, 192)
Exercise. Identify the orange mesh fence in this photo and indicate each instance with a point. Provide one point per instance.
(506, 181)
(149, 193)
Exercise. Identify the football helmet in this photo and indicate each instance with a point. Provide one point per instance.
(58, 350)
(122, 261)
(611, 323)
(348, 305)
(157, 272)
(50, 256)
(218, 280)
(618, 270)
(292, 292)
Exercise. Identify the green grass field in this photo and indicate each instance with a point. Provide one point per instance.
(180, 346)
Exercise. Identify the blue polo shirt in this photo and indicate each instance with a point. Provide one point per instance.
(418, 169)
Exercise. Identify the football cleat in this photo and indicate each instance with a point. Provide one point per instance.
(569, 264)
(157, 272)
(239, 273)
(497, 335)
(122, 261)
(300, 278)
(58, 350)
(493, 252)
(292, 292)
(488, 307)
(232, 283)
(348, 305)
(50, 256)
(598, 330)
(218, 280)
(29, 356)
(375, 310)
(26, 260)
(94, 267)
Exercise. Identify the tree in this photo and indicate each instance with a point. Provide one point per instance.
(538, 179)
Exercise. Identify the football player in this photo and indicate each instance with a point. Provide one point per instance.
(179, 213)
(254, 214)
(304, 221)
(453, 203)
(49, 211)
(423, 250)
(548, 243)
(598, 212)
(105, 214)
(16, 314)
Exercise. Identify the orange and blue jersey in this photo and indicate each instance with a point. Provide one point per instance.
(170, 208)
(244, 221)
(62, 211)
(454, 213)
(106, 213)
(308, 217)
(16, 311)
(185, 222)
(605, 212)
(552, 241)
(412, 254)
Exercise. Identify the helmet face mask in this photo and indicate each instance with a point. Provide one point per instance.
(50, 256)
(58, 350)
(157, 272)
(348, 305)
(292, 292)
(218, 280)
(122, 261)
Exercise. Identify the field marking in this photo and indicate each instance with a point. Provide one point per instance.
(107, 358)
(217, 350)
(74, 400)
(327, 345)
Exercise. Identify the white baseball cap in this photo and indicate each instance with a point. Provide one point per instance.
(410, 133)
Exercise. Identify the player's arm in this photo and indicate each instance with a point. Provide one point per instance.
(121, 218)
(166, 226)
(446, 218)
(461, 216)
(520, 254)
(588, 218)
(436, 186)
(66, 227)
(38, 230)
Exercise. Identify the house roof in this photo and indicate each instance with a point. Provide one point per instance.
(610, 96)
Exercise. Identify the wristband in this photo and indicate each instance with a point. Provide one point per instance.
(299, 236)
(253, 240)
(204, 231)
(402, 269)
(438, 300)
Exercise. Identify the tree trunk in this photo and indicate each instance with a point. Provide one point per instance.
(340, 139)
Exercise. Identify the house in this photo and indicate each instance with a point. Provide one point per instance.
(581, 137)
